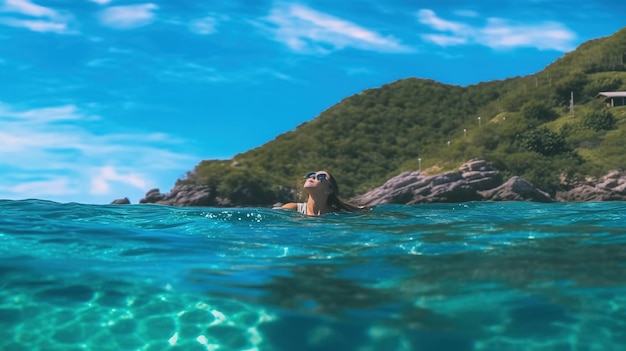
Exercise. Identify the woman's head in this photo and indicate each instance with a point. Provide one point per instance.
(321, 182)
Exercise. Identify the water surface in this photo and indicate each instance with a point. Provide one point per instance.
(472, 276)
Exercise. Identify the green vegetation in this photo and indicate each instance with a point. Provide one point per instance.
(524, 125)
(598, 120)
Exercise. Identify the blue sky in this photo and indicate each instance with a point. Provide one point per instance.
(103, 99)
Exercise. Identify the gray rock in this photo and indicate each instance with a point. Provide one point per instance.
(124, 201)
(611, 187)
(152, 196)
(182, 195)
(477, 165)
(614, 181)
(516, 189)
(415, 187)
(584, 192)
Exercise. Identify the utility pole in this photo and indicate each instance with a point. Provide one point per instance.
(549, 79)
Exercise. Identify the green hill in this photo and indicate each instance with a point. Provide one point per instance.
(524, 125)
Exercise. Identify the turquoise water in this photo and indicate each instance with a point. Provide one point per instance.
(473, 276)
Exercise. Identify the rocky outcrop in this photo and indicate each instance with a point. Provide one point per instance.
(516, 189)
(124, 201)
(611, 187)
(205, 196)
(476, 180)
(464, 185)
(184, 195)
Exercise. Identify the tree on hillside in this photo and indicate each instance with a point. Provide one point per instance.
(537, 110)
(543, 141)
(601, 119)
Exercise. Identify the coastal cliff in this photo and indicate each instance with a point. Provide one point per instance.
(475, 180)
(547, 146)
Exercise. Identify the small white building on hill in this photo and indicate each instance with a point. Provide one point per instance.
(613, 98)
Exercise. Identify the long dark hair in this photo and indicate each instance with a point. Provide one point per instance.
(336, 202)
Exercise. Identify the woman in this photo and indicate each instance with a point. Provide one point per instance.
(323, 196)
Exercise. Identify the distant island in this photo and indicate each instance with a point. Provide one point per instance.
(556, 135)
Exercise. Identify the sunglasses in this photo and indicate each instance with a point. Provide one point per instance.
(319, 176)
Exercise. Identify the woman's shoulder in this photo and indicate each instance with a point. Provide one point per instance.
(289, 206)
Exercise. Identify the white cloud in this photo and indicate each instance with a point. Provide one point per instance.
(45, 114)
(545, 36)
(204, 26)
(60, 151)
(45, 19)
(101, 2)
(309, 31)
(101, 182)
(36, 25)
(498, 33)
(128, 17)
(25, 7)
(429, 18)
(445, 40)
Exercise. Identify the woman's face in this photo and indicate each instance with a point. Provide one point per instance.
(319, 180)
